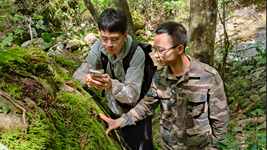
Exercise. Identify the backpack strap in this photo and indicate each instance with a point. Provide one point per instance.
(104, 61)
(129, 56)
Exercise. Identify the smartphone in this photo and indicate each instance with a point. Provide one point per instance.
(95, 73)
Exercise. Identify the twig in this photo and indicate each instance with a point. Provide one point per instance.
(17, 105)
(30, 20)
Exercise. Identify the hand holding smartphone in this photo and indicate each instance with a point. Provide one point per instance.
(95, 74)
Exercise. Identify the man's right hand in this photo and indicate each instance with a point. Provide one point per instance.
(112, 124)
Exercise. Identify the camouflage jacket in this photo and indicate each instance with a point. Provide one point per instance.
(127, 87)
(194, 110)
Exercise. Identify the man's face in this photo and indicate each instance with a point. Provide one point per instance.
(113, 41)
(163, 50)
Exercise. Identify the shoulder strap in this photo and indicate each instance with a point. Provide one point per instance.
(104, 61)
(129, 56)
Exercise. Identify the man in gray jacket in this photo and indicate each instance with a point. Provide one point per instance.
(123, 86)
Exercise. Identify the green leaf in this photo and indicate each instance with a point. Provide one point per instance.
(258, 49)
(19, 16)
(18, 32)
(4, 108)
(248, 132)
(36, 17)
(20, 60)
(46, 37)
(220, 144)
(14, 18)
(259, 111)
(59, 32)
(262, 141)
(252, 147)
(6, 41)
(3, 58)
(17, 53)
(227, 137)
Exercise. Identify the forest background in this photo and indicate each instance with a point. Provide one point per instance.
(43, 42)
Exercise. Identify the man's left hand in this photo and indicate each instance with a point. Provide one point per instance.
(104, 83)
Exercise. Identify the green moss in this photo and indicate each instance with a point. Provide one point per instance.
(12, 89)
(137, 18)
(70, 120)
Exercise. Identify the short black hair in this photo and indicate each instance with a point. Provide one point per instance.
(113, 20)
(176, 30)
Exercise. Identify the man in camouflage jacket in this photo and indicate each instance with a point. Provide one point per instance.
(193, 102)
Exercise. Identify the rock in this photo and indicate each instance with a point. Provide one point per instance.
(64, 70)
(238, 129)
(41, 44)
(247, 109)
(52, 69)
(90, 39)
(138, 26)
(234, 105)
(245, 83)
(263, 89)
(244, 122)
(58, 39)
(26, 44)
(59, 50)
(148, 33)
(262, 119)
(30, 102)
(74, 45)
(3, 147)
(264, 125)
(10, 120)
(255, 97)
(138, 21)
(68, 88)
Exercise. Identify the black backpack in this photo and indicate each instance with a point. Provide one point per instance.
(148, 71)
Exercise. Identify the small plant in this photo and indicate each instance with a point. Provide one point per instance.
(254, 138)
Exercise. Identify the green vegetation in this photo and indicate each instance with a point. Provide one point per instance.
(65, 115)
(69, 119)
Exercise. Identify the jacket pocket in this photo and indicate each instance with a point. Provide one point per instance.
(196, 102)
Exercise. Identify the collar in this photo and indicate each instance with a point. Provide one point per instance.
(190, 73)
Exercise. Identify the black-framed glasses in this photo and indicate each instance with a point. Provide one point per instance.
(161, 51)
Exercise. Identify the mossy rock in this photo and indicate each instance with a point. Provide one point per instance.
(138, 20)
(68, 118)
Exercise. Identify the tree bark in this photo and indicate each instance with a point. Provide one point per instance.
(122, 4)
(92, 9)
(202, 30)
(226, 42)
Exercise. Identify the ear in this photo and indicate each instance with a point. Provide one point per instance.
(180, 49)
(125, 35)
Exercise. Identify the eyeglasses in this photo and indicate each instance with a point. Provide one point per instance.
(160, 52)
(113, 42)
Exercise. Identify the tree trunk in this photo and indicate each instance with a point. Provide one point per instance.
(202, 30)
(92, 9)
(122, 4)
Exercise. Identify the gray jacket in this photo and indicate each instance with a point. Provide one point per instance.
(128, 86)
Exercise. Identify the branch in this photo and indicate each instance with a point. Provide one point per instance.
(30, 20)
